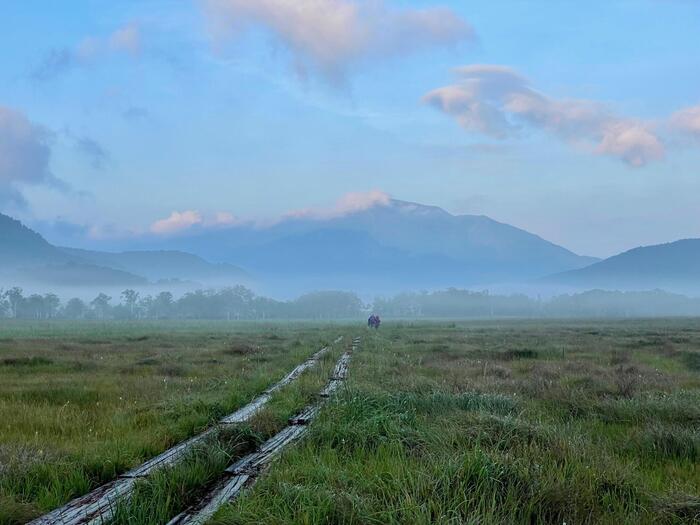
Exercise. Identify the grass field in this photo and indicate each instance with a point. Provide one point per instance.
(464, 422)
(80, 403)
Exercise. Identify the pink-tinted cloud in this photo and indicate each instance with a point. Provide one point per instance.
(179, 221)
(176, 222)
(182, 221)
(687, 121)
(634, 143)
(328, 36)
(349, 203)
(127, 39)
(499, 102)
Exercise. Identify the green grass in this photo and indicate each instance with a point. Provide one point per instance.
(518, 422)
(81, 403)
(441, 422)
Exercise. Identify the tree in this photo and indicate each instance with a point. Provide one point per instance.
(75, 309)
(146, 306)
(34, 306)
(130, 298)
(163, 305)
(4, 304)
(101, 305)
(15, 299)
(235, 301)
(51, 305)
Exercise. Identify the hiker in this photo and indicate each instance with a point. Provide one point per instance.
(374, 321)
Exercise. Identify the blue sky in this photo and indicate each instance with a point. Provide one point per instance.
(578, 122)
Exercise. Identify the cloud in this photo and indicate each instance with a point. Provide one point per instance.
(177, 221)
(329, 36)
(631, 142)
(54, 63)
(25, 154)
(127, 39)
(11, 197)
(499, 102)
(135, 113)
(224, 218)
(180, 221)
(124, 40)
(687, 121)
(360, 201)
(94, 151)
(183, 221)
(348, 204)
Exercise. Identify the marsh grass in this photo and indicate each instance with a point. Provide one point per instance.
(169, 491)
(454, 422)
(82, 402)
(436, 426)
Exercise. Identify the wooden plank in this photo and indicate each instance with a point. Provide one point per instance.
(97, 507)
(245, 471)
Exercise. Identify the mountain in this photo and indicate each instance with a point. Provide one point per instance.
(330, 258)
(163, 264)
(74, 274)
(27, 258)
(673, 266)
(19, 246)
(388, 246)
(385, 247)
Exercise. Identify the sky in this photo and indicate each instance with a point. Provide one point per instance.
(579, 122)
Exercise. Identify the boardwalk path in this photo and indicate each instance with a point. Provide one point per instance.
(246, 470)
(97, 506)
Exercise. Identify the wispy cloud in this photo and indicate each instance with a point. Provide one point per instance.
(687, 122)
(499, 102)
(181, 221)
(124, 40)
(329, 36)
(349, 203)
(135, 113)
(25, 154)
(93, 150)
(176, 222)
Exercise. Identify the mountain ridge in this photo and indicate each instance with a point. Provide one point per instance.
(487, 250)
(28, 257)
(673, 265)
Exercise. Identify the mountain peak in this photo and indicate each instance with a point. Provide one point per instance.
(416, 208)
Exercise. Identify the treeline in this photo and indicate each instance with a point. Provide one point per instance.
(229, 303)
(595, 303)
(241, 303)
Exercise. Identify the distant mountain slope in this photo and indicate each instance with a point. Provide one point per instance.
(423, 245)
(19, 245)
(26, 257)
(382, 248)
(162, 264)
(674, 265)
(326, 258)
(77, 274)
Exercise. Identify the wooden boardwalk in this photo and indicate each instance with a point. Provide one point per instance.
(97, 506)
(246, 470)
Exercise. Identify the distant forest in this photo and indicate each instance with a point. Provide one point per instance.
(240, 303)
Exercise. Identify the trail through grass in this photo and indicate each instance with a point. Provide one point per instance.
(450, 423)
(499, 423)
